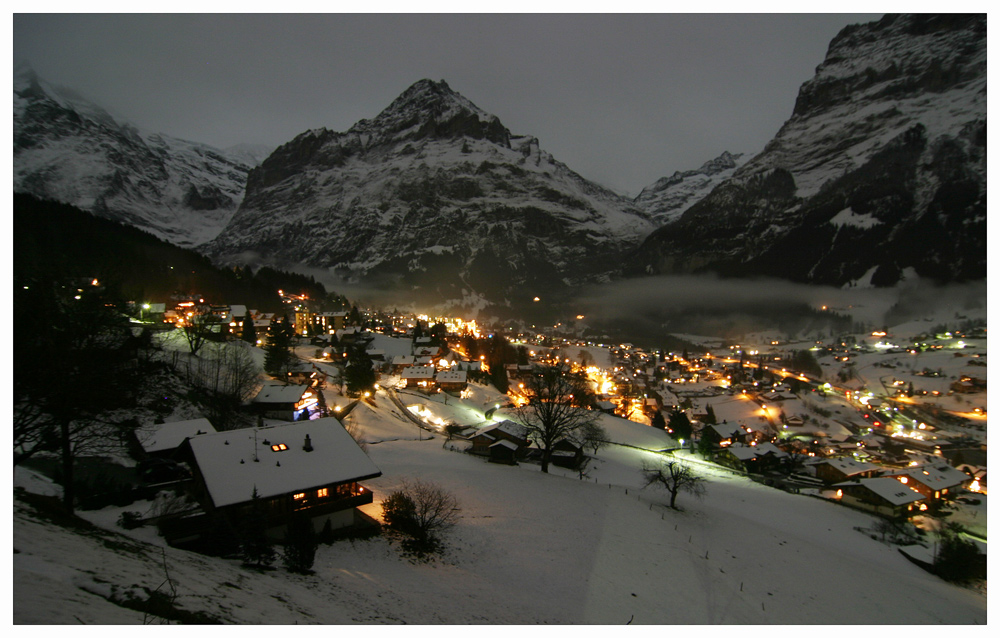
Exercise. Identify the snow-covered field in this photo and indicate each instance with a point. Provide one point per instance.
(528, 548)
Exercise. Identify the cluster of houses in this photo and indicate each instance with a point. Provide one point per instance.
(892, 491)
(431, 368)
(507, 442)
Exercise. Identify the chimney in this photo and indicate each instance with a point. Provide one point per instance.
(308, 446)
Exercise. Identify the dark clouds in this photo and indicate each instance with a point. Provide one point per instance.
(622, 99)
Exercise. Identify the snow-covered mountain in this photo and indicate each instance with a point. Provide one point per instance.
(70, 150)
(880, 171)
(668, 199)
(433, 194)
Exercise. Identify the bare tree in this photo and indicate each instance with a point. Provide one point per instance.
(675, 477)
(593, 436)
(556, 408)
(421, 509)
(199, 327)
(226, 377)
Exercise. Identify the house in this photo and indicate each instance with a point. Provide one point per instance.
(882, 495)
(418, 377)
(567, 453)
(402, 361)
(469, 366)
(503, 451)
(843, 468)
(288, 402)
(309, 466)
(738, 457)
(724, 434)
(329, 322)
(452, 380)
(505, 430)
(934, 482)
(163, 439)
(307, 374)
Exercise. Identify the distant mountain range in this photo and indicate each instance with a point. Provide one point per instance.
(70, 150)
(879, 174)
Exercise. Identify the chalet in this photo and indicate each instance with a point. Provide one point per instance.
(738, 457)
(882, 495)
(606, 406)
(402, 361)
(724, 434)
(934, 482)
(307, 374)
(567, 453)
(288, 402)
(843, 468)
(503, 451)
(512, 432)
(469, 366)
(418, 377)
(311, 466)
(163, 439)
(452, 380)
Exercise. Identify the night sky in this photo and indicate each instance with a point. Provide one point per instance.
(621, 99)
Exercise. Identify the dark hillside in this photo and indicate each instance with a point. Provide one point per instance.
(56, 241)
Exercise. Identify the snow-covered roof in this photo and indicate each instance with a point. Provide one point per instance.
(417, 372)
(743, 452)
(510, 445)
(403, 360)
(767, 447)
(167, 436)
(889, 489)
(452, 376)
(238, 311)
(226, 460)
(849, 467)
(726, 430)
(514, 429)
(280, 393)
(936, 478)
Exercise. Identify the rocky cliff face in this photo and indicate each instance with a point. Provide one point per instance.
(70, 150)
(435, 195)
(879, 173)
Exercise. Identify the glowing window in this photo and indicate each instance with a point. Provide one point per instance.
(299, 496)
(322, 492)
(280, 447)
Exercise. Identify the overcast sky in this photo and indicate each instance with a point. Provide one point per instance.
(621, 99)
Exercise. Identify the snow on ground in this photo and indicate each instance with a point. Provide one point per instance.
(528, 548)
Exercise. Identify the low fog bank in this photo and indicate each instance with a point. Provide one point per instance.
(643, 310)
(713, 306)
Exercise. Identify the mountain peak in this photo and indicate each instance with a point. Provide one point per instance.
(429, 109)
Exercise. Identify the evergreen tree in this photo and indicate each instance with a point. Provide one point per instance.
(255, 547)
(358, 374)
(249, 332)
(679, 425)
(277, 356)
(710, 415)
(658, 421)
(705, 447)
(300, 544)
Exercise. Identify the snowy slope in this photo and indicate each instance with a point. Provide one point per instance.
(71, 150)
(528, 548)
